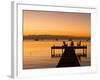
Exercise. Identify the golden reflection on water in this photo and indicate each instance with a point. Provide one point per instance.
(36, 54)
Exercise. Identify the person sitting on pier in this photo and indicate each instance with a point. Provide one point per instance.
(64, 44)
(72, 43)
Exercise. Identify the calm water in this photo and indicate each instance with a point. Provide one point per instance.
(37, 54)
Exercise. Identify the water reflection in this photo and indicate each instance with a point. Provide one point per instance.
(36, 54)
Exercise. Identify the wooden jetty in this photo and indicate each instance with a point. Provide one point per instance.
(54, 54)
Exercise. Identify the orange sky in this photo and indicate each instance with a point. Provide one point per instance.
(56, 23)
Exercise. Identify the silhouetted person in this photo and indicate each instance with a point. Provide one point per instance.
(72, 43)
(64, 44)
(69, 58)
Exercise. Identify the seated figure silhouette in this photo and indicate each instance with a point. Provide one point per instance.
(68, 58)
(72, 43)
(64, 44)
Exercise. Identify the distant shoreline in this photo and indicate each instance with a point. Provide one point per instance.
(54, 37)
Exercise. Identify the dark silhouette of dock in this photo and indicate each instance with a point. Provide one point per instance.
(68, 56)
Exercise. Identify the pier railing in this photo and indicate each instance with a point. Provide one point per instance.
(54, 54)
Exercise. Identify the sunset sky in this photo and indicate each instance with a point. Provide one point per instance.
(56, 23)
